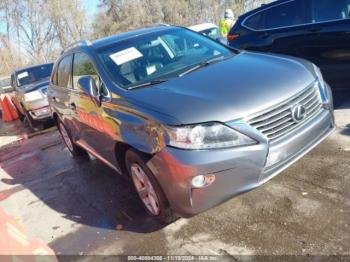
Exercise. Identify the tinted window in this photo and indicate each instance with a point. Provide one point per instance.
(291, 13)
(83, 66)
(328, 10)
(64, 72)
(34, 74)
(163, 54)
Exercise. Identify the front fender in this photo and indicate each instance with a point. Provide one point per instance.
(140, 133)
(137, 127)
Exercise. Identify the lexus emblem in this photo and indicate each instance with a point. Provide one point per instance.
(298, 113)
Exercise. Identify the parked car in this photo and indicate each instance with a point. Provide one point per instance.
(316, 30)
(191, 121)
(209, 30)
(30, 85)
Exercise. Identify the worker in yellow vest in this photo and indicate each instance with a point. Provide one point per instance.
(227, 22)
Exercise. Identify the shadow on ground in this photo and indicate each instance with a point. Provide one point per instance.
(84, 191)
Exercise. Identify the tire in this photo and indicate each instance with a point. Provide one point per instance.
(158, 207)
(31, 122)
(75, 150)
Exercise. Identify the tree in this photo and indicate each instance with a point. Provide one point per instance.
(69, 20)
(36, 31)
(10, 57)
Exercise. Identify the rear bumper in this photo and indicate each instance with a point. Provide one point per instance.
(236, 170)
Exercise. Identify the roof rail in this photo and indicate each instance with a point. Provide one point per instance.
(76, 44)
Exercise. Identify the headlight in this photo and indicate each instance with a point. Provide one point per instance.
(321, 84)
(206, 136)
(32, 96)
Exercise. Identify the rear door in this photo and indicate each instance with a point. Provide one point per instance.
(330, 48)
(60, 89)
(316, 30)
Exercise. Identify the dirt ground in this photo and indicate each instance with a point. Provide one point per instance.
(76, 206)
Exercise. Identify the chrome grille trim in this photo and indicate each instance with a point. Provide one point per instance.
(277, 121)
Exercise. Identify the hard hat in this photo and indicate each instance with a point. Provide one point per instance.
(229, 14)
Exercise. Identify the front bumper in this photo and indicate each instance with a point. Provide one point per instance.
(236, 170)
(41, 114)
(39, 110)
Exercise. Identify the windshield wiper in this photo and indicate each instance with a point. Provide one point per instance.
(203, 64)
(150, 83)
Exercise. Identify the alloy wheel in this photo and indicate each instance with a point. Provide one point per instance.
(145, 189)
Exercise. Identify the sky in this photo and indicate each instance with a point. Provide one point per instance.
(90, 5)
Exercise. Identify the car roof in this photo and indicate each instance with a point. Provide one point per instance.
(201, 27)
(32, 66)
(127, 35)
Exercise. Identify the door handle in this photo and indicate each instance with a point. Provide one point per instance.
(73, 106)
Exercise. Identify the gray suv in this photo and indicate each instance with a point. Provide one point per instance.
(191, 121)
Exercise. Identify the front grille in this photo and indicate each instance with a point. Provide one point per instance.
(278, 121)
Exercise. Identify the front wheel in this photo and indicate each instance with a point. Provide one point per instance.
(75, 150)
(147, 187)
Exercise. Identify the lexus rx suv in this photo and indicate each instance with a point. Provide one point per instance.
(316, 30)
(30, 85)
(191, 121)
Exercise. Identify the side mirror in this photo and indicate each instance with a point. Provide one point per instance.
(89, 86)
(13, 82)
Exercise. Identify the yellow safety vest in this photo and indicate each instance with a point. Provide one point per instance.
(225, 26)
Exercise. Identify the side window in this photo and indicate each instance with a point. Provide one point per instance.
(83, 66)
(64, 72)
(329, 10)
(291, 13)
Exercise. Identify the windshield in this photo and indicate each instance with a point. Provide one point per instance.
(160, 55)
(33, 74)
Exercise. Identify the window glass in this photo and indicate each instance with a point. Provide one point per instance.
(64, 72)
(83, 66)
(159, 55)
(291, 13)
(328, 10)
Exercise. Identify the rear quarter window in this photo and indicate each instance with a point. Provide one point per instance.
(292, 13)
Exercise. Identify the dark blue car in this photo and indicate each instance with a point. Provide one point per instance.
(316, 30)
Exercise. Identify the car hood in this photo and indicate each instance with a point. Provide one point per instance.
(33, 86)
(228, 90)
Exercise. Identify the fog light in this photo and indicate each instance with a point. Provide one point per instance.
(202, 181)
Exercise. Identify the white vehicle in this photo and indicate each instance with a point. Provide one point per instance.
(209, 30)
